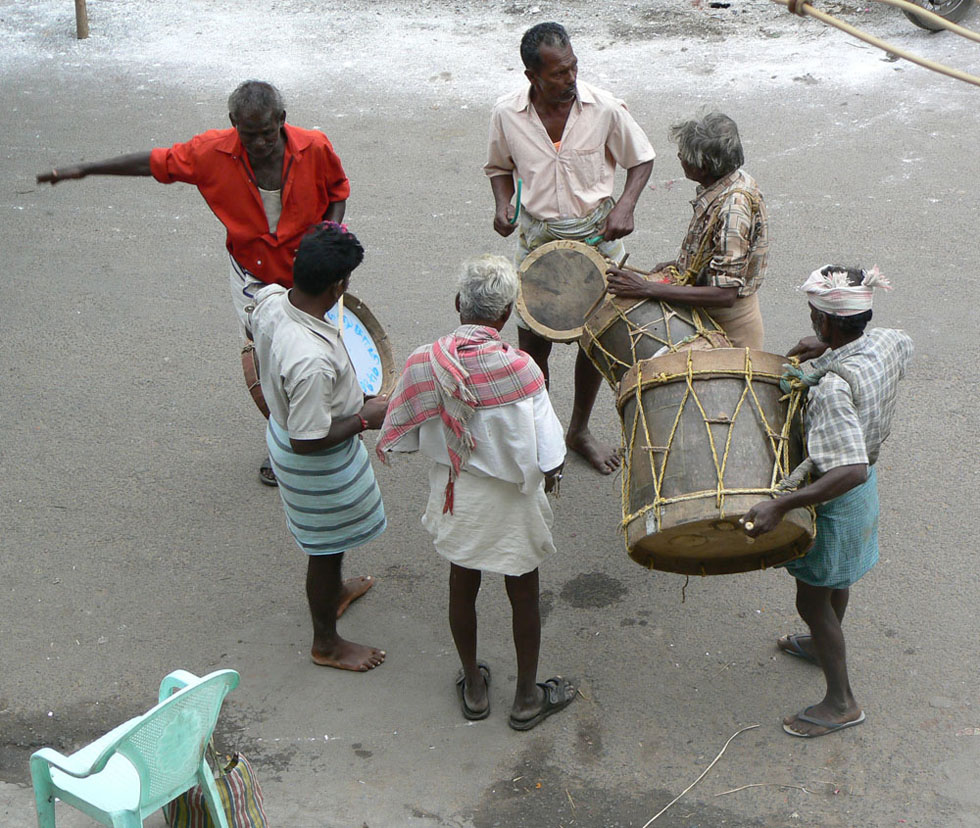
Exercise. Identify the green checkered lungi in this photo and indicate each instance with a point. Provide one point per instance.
(846, 546)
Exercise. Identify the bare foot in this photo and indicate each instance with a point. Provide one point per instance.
(346, 655)
(604, 459)
(353, 588)
(821, 719)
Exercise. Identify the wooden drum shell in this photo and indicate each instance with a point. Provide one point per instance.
(623, 331)
(691, 525)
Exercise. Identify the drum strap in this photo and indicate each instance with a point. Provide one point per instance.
(706, 246)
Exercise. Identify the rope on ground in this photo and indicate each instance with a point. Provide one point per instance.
(802, 8)
(704, 773)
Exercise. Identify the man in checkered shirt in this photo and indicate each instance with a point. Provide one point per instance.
(854, 384)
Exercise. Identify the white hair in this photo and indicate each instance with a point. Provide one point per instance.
(710, 142)
(487, 285)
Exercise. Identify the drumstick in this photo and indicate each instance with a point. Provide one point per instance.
(605, 290)
(517, 202)
(340, 314)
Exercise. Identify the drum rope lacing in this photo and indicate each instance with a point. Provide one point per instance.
(638, 332)
(779, 442)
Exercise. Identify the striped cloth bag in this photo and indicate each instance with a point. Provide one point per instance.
(241, 799)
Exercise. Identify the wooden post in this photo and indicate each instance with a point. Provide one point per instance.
(81, 19)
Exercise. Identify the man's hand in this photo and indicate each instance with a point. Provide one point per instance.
(61, 174)
(763, 517)
(374, 410)
(552, 480)
(627, 283)
(502, 221)
(808, 348)
(619, 222)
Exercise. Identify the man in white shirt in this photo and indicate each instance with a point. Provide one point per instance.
(564, 139)
(317, 412)
(479, 408)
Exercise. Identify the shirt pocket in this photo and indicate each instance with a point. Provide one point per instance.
(585, 168)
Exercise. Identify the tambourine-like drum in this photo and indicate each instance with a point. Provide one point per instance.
(560, 282)
(621, 332)
(366, 343)
(708, 434)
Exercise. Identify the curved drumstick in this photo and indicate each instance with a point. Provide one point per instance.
(517, 201)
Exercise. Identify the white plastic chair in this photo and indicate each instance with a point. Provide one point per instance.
(138, 767)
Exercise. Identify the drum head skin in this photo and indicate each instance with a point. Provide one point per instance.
(560, 282)
(368, 346)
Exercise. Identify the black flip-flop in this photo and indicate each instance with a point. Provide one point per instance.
(793, 647)
(266, 473)
(558, 694)
(468, 712)
(831, 727)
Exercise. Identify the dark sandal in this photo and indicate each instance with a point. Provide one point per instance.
(558, 694)
(266, 474)
(469, 713)
(790, 644)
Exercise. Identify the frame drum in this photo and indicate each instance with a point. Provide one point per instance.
(559, 283)
(367, 345)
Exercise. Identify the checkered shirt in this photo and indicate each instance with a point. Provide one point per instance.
(849, 412)
(740, 248)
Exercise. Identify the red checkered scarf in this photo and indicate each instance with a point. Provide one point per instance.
(449, 379)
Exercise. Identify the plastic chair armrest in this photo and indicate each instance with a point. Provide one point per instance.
(49, 756)
(174, 681)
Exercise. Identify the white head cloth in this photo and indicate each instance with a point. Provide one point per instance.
(829, 290)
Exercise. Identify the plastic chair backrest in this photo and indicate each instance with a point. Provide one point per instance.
(167, 745)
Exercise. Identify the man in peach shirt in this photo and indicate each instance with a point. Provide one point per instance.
(564, 140)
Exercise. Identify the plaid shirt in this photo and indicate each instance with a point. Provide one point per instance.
(849, 412)
(739, 248)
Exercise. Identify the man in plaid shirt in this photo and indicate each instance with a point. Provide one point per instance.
(722, 260)
(851, 402)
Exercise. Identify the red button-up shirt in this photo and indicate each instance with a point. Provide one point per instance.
(216, 163)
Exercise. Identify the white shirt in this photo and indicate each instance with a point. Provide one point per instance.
(517, 442)
(306, 373)
(569, 180)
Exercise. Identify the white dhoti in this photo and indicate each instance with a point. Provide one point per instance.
(493, 527)
(244, 286)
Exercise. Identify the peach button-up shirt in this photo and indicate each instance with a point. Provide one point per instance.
(572, 179)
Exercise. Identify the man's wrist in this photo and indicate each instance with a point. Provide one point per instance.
(363, 423)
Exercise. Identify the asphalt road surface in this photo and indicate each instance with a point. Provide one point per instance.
(136, 537)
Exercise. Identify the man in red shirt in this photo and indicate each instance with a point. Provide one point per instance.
(267, 182)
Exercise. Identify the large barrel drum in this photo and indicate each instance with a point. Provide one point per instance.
(708, 434)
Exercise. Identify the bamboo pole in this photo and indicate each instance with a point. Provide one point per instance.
(81, 19)
(806, 8)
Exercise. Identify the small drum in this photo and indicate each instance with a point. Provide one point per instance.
(560, 282)
(621, 332)
(366, 343)
(708, 434)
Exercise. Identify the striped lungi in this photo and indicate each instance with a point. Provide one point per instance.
(331, 498)
(846, 546)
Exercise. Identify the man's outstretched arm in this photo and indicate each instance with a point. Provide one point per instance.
(136, 163)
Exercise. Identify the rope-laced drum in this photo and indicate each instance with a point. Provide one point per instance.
(366, 343)
(708, 434)
(621, 332)
(560, 282)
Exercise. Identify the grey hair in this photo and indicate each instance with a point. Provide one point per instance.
(710, 142)
(255, 97)
(487, 285)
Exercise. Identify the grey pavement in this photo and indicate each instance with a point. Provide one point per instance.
(136, 538)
